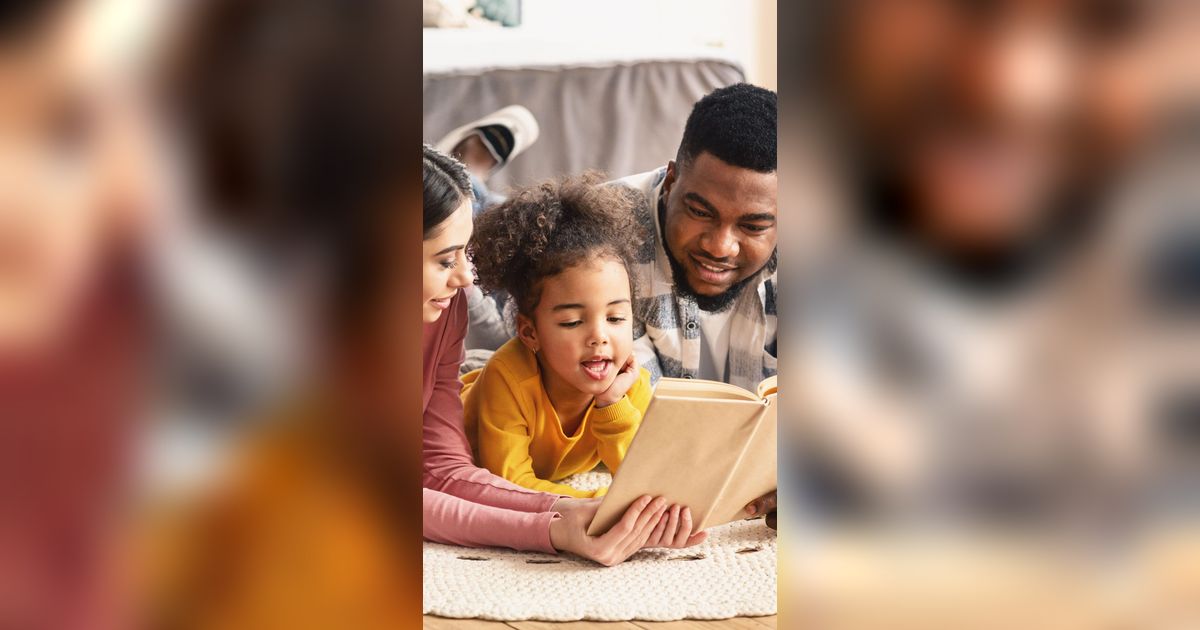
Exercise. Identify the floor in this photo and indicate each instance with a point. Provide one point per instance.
(739, 623)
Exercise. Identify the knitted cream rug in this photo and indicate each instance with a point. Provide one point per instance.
(731, 574)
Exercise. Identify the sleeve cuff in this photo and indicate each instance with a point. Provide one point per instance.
(544, 521)
(620, 410)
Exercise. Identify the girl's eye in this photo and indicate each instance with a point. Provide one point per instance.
(570, 324)
(448, 264)
(616, 320)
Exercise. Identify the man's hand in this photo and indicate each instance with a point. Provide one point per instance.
(620, 386)
(765, 504)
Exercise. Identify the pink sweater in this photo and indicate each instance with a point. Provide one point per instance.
(462, 503)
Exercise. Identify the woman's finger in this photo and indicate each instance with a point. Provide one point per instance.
(637, 541)
(647, 523)
(649, 519)
(628, 521)
(609, 548)
(685, 528)
(672, 523)
(637, 523)
(656, 536)
(696, 539)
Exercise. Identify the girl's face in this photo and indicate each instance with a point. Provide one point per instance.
(582, 327)
(446, 269)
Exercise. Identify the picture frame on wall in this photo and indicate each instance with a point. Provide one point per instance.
(505, 12)
(471, 13)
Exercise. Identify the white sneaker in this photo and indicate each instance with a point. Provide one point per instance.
(506, 133)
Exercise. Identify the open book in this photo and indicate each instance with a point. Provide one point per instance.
(706, 445)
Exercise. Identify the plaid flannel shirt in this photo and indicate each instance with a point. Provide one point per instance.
(666, 327)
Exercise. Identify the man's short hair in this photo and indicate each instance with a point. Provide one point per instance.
(737, 125)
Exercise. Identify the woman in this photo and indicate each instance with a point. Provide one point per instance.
(464, 504)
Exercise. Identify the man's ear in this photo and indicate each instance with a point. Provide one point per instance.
(527, 333)
(672, 174)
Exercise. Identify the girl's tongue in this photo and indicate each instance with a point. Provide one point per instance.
(596, 369)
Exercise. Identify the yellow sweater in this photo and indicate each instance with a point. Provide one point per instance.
(515, 431)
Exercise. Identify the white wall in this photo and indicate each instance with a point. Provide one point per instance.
(744, 28)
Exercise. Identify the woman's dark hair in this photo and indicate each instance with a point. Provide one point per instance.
(445, 185)
(546, 229)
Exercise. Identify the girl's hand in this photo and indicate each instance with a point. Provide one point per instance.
(674, 530)
(569, 533)
(620, 386)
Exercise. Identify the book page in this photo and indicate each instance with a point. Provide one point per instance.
(768, 387)
(696, 388)
(754, 474)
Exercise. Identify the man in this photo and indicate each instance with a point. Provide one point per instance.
(706, 287)
(985, 136)
(956, 352)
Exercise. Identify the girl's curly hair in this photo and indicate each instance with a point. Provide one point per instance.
(545, 229)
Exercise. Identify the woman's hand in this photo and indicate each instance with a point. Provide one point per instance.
(620, 386)
(568, 504)
(569, 533)
(674, 530)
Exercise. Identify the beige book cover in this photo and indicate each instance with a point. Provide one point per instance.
(706, 445)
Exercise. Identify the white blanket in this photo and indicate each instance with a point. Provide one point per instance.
(731, 574)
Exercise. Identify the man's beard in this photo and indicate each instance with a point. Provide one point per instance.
(889, 211)
(710, 303)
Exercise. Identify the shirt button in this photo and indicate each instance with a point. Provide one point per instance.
(691, 325)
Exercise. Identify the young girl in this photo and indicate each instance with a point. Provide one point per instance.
(566, 393)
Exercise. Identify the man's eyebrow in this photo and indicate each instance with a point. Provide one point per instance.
(450, 249)
(691, 196)
(757, 216)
